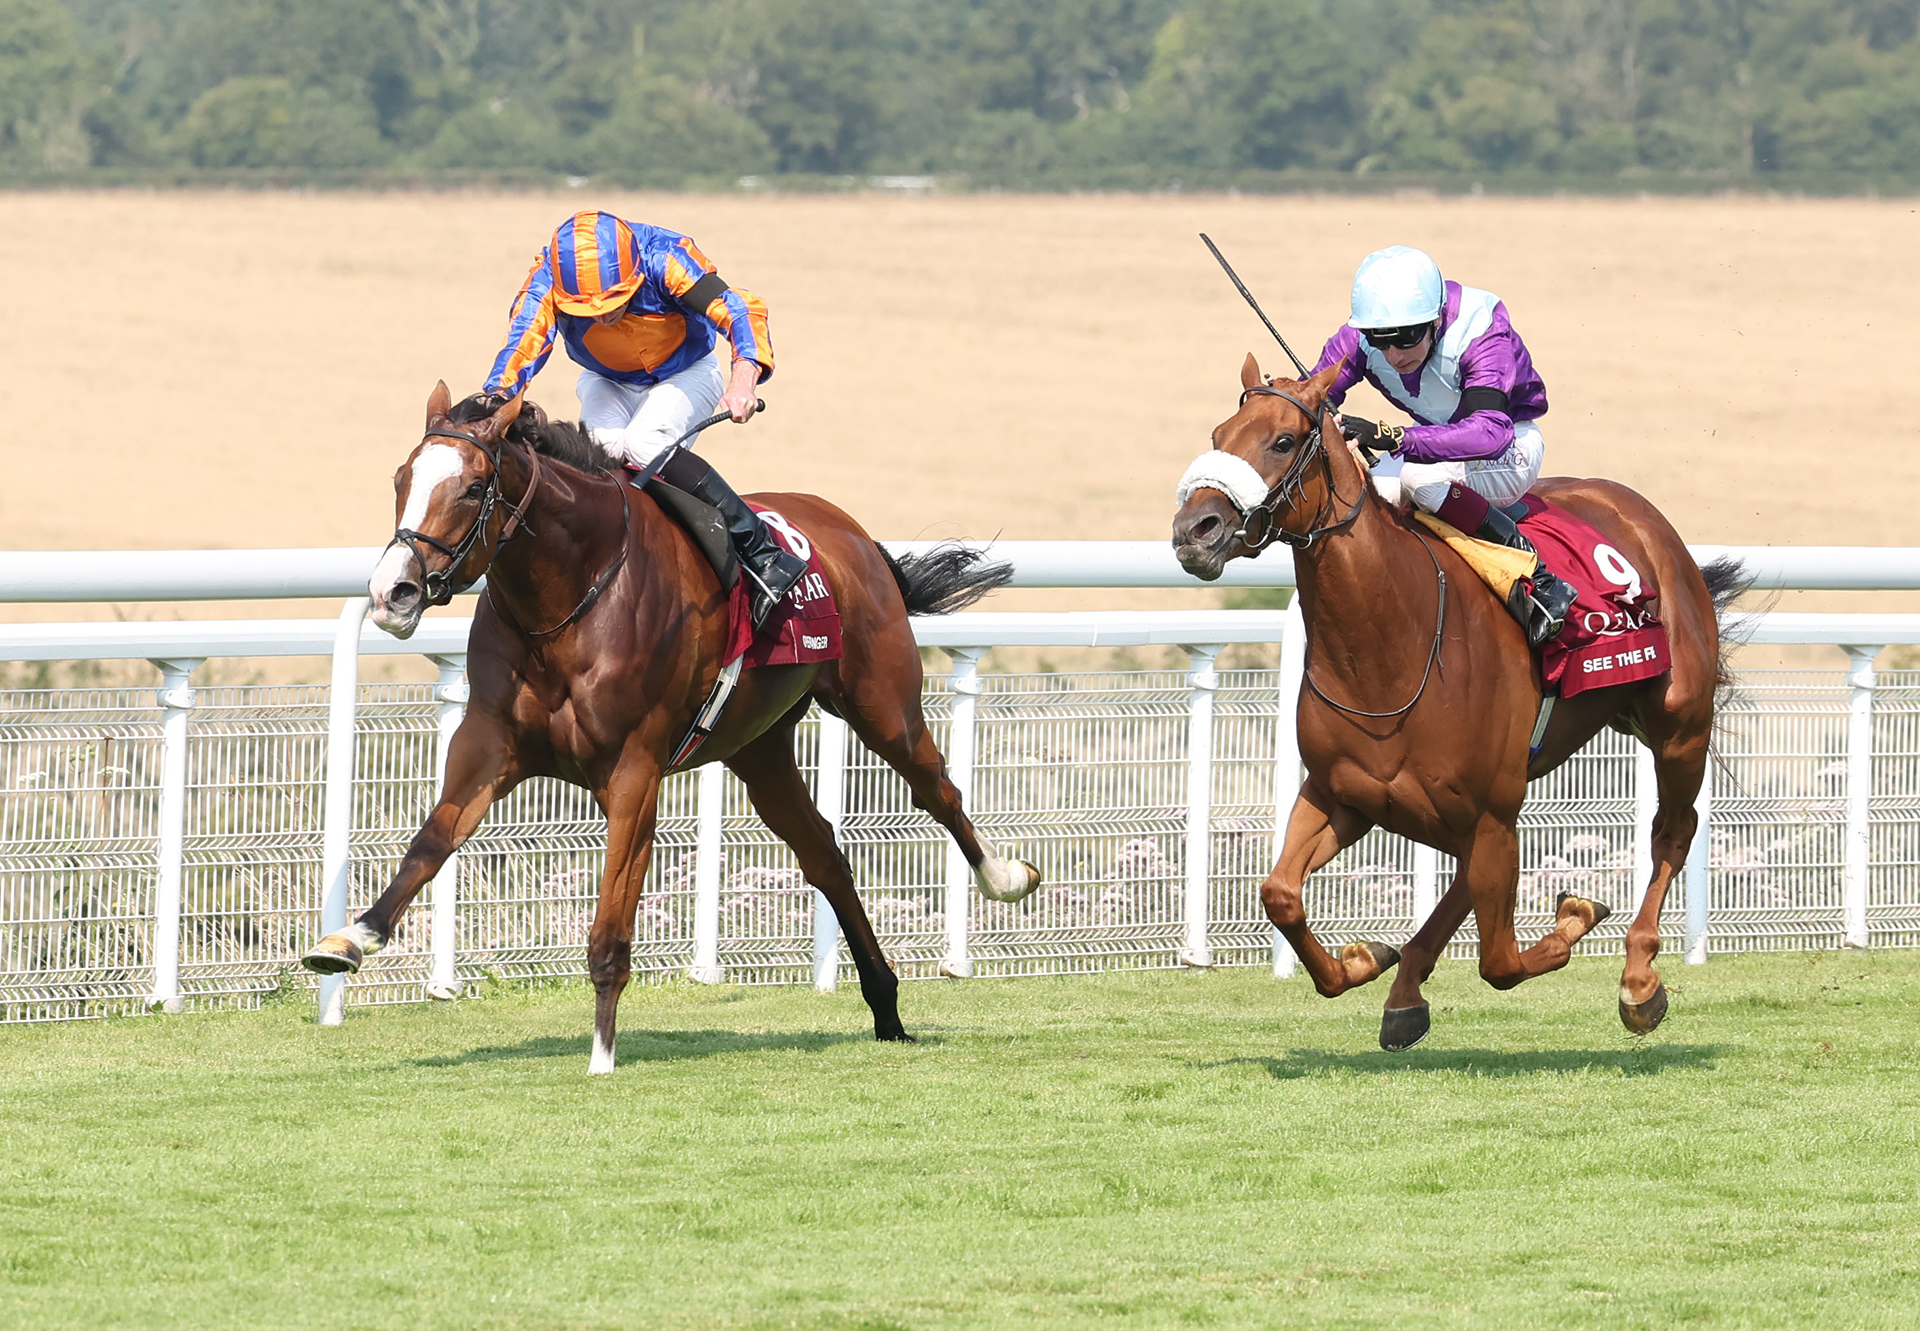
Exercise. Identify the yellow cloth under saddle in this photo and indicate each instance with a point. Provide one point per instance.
(1497, 565)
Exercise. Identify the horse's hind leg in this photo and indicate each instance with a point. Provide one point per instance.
(888, 721)
(1679, 765)
(780, 797)
(1318, 829)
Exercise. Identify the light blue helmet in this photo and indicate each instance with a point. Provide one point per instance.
(1397, 287)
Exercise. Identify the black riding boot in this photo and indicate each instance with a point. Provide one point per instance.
(770, 567)
(1541, 602)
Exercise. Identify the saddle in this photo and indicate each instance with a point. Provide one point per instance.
(703, 523)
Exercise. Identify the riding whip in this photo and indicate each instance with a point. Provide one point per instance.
(644, 474)
(1241, 287)
(759, 405)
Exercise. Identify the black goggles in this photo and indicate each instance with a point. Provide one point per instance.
(1400, 338)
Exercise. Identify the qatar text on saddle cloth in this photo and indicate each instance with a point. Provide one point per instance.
(803, 628)
(1613, 633)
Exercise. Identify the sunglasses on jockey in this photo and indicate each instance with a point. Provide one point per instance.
(1399, 338)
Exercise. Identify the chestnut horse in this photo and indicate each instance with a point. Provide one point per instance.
(1418, 705)
(596, 644)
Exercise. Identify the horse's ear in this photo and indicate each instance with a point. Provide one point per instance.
(1250, 373)
(439, 402)
(496, 424)
(1322, 383)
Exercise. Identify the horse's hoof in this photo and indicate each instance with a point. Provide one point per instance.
(1642, 1018)
(336, 954)
(1404, 1027)
(1600, 908)
(1385, 955)
(897, 1036)
(1006, 882)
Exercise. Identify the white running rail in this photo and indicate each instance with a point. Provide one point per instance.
(1842, 760)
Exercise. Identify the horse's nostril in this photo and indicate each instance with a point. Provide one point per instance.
(1204, 529)
(403, 593)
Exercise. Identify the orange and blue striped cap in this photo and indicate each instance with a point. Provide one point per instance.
(596, 263)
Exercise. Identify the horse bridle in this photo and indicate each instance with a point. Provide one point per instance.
(1286, 491)
(438, 584)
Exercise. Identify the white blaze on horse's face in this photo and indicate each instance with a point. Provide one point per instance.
(435, 467)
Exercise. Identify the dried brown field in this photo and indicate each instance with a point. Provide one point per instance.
(246, 369)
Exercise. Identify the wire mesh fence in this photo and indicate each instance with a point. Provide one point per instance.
(1083, 774)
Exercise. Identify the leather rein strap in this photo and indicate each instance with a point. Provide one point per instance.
(600, 584)
(1285, 491)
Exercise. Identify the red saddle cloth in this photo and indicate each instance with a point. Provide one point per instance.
(803, 628)
(1613, 635)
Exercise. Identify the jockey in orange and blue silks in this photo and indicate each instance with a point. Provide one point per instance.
(643, 311)
(1448, 356)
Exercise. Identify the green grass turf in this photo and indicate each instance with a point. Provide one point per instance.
(1132, 1149)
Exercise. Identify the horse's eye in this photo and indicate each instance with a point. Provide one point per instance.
(1283, 444)
(475, 490)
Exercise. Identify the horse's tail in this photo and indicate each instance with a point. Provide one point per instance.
(949, 577)
(1728, 578)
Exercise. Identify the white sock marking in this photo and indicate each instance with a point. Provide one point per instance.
(602, 1060)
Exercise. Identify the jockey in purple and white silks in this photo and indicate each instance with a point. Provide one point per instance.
(1448, 356)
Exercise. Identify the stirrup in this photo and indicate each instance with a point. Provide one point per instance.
(1541, 604)
(771, 583)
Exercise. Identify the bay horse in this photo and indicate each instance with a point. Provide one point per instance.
(1417, 708)
(596, 644)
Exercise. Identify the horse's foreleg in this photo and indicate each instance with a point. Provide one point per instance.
(1406, 1020)
(779, 796)
(1318, 829)
(1679, 767)
(631, 803)
(480, 769)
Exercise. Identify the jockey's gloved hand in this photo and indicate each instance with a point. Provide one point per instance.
(1375, 435)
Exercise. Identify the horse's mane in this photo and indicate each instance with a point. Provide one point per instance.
(563, 441)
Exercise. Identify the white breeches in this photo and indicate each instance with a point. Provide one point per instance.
(637, 423)
(1502, 480)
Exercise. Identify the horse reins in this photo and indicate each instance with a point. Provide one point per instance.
(1286, 491)
(593, 593)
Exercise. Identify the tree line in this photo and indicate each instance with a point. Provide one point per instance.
(1141, 93)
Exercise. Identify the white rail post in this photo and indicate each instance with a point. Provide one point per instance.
(1286, 754)
(451, 692)
(1426, 882)
(962, 737)
(831, 785)
(1202, 680)
(1646, 803)
(1699, 871)
(336, 837)
(175, 696)
(710, 802)
(1855, 873)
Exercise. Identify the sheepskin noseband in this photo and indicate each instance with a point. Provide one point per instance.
(1232, 476)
